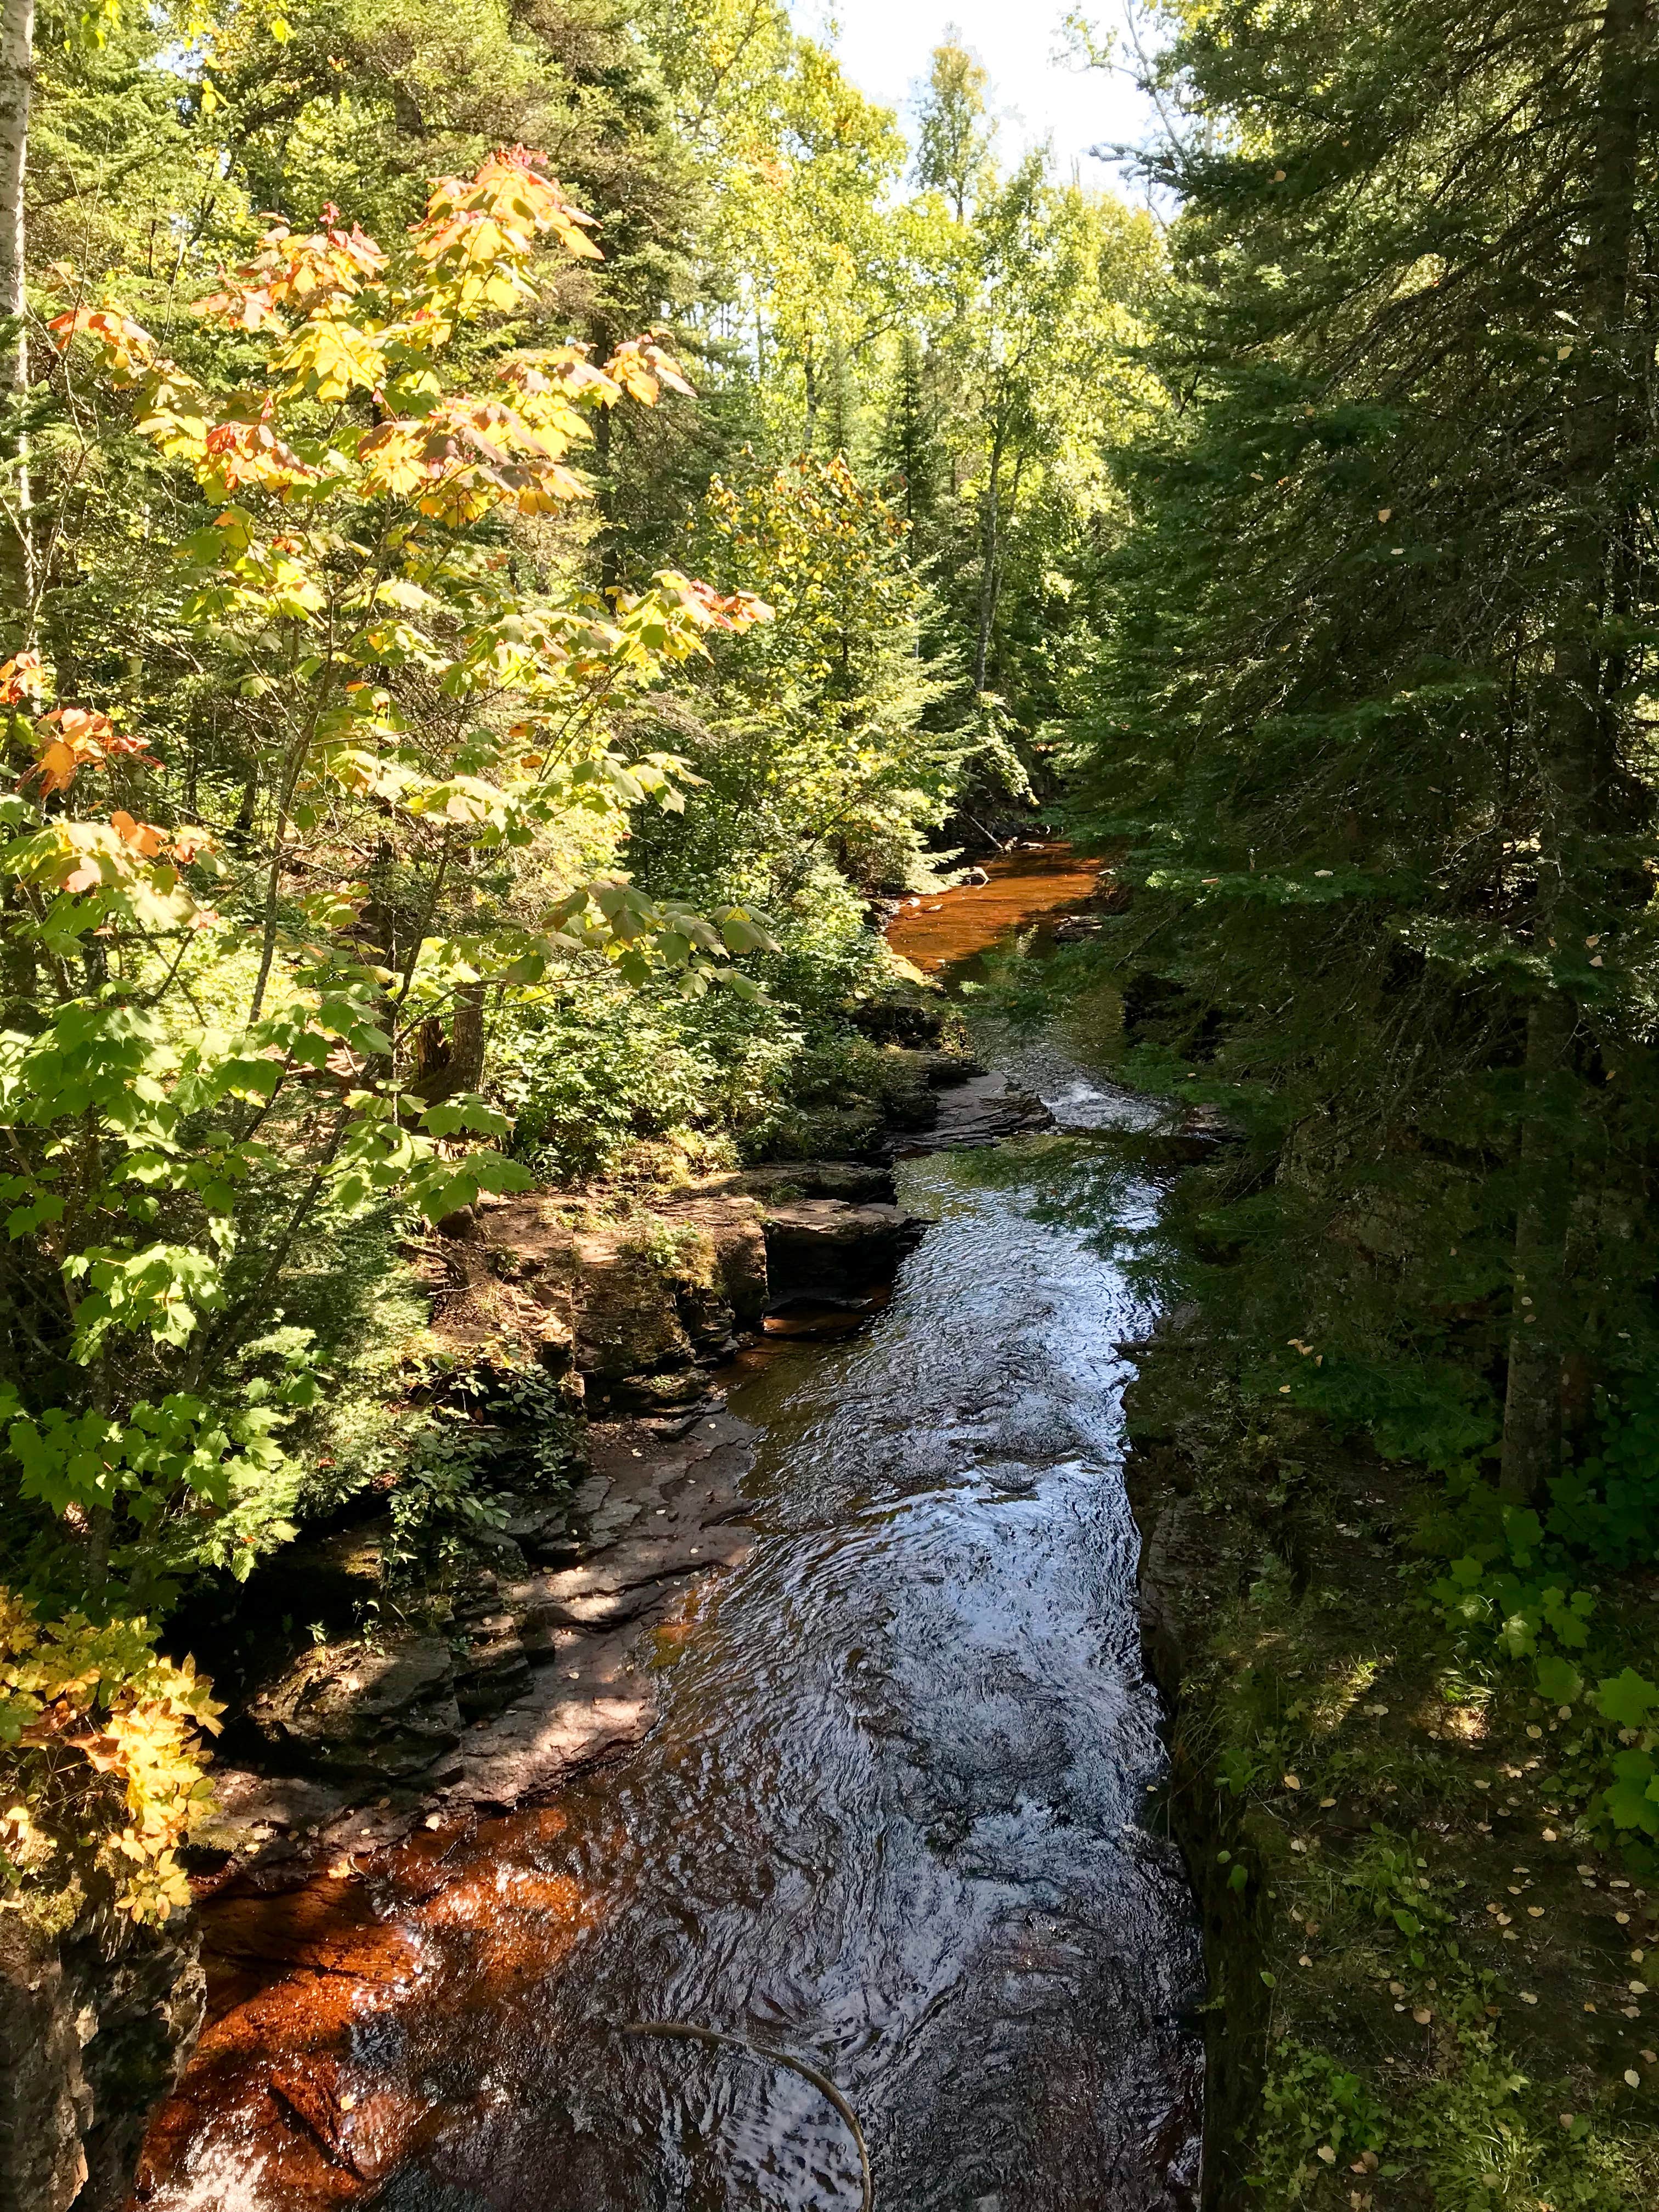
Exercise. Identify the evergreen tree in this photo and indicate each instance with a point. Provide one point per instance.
(1375, 715)
(909, 448)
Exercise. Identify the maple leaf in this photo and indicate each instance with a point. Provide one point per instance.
(82, 738)
(145, 837)
(127, 346)
(709, 609)
(24, 677)
(332, 360)
(642, 368)
(245, 448)
(392, 454)
(549, 487)
(303, 268)
(498, 211)
(241, 307)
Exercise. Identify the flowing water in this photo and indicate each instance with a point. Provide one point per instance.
(897, 1818)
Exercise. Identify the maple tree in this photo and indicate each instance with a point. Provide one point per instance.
(403, 687)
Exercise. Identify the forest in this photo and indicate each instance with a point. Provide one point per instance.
(529, 529)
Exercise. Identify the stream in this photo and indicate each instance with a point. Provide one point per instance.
(897, 1819)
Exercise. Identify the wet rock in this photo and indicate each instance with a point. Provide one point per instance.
(941, 1071)
(253, 1813)
(860, 1182)
(538, 1526)
(654, 1394)
(595, 1700)
(817, 1315)
(347, 1709)
(494, 1670)
(94, 2029)
(491, 1669)
(819, 1245)
(982, 1111)
(660, 1509)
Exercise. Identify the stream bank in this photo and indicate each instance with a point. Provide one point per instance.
(1428, 1989)
(1423, 1992)
(617, 1327)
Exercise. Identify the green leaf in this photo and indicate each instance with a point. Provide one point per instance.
(1558, 1679)
(1626, 1698)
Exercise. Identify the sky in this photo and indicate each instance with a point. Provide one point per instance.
(885, 45)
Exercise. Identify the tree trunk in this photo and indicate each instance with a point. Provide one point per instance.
(467, 1038)
(16, 81)
(1531, 1401)
(1581, 798)
(991, 553)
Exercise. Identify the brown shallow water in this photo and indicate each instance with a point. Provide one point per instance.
(951, 927)
(891, 1821)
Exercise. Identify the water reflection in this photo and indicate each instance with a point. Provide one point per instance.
(889, 1818)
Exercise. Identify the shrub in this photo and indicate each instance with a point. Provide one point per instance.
(101, 1765)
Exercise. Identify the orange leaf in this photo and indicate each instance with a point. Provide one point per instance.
(143, 836)
(56, 769)
(22, 678)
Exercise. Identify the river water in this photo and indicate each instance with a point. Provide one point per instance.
(897, 1818)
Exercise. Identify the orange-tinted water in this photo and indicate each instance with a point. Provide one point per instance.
(1026, 886)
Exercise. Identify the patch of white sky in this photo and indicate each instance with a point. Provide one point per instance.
(1038, 89)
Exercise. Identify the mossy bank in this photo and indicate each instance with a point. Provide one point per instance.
(1429, 1972)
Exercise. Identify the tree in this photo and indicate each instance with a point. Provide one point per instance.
(1048, 384)
(16, 81)
(815, 769)
(431, 765)
(954, 136)
(1375, 708)
(810, 267)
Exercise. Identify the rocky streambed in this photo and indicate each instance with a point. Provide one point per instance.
(648, 1323)
(837, 1745)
